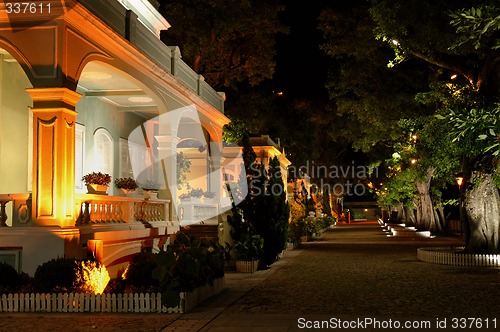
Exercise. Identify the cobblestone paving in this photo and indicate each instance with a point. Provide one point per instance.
(80, 322)
(344, 274)
(352, 271)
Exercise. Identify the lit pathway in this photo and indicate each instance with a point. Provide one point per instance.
(355, 271)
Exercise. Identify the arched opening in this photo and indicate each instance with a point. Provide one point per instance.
(115, 105)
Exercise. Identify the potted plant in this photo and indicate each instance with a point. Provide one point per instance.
(248, 251)
(185, 197)
(196, 193)
(150, 189)
(97, 182)
(209, 196)
(126, 186)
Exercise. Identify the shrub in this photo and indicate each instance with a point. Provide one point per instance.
(70, 275)
(139, 274)
(8, 278)
(187, 264)
(56, 275)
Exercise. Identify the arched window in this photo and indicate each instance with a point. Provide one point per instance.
(103, 151)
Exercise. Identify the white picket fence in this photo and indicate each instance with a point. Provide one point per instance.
(120, 303)
(452, 256)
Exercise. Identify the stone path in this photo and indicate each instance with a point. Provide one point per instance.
(352, 273)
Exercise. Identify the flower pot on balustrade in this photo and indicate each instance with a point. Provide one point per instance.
(97, 189)
(246, 266)
(150, 194)
(126, 192)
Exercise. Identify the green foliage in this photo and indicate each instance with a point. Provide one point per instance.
(183, 167)
(271, 223)
(249, 247)
(233, 131)
(367, 98)
(139, 274)
(297, 208)
(477, 26)
(187, 264)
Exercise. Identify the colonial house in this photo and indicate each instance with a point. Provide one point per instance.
(87, 86)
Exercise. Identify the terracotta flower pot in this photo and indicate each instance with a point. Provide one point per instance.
(98, 189)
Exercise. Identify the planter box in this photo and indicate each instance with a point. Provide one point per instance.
(97, 189)
(247, 266)
(126, 192)
(121, 303)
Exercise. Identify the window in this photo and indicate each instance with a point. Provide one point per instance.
(134, 159)
(12, 257)
(103, 151)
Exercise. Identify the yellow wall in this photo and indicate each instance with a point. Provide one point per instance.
(14, 117)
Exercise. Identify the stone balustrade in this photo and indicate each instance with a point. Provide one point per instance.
(95, 209)
(21, 209)
(196, 211)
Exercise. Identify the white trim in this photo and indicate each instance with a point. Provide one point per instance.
(148, 15)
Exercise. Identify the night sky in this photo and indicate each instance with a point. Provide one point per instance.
(301, 66)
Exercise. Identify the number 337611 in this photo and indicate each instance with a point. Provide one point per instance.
(27, 8)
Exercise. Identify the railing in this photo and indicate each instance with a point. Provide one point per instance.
(194, 212)
(168, 58)
(21, 209)
(96, 209)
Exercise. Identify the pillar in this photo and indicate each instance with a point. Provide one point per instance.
(167, 152)
(53, 156)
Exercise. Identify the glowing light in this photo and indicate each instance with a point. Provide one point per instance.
(140, 99)
(413, 161)
(95, 277)
(460, 180)
(279, 93)
(395, 42)
(454, 76)
(95, 75)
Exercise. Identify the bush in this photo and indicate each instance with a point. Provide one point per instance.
(8, 278)
(139, 274)
(187, 264)
(57, 275)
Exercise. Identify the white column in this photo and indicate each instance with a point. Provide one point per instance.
(167, 153)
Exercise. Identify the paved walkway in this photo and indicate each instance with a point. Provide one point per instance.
(353, 276)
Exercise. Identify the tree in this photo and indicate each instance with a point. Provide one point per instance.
(230, 41)
(272, 221)
(367, 98)
(461, 42)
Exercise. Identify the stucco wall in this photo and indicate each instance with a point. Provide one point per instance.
(14, 117)
(94, 113)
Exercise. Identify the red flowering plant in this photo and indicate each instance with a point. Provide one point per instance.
(97, 178)
(126, 183)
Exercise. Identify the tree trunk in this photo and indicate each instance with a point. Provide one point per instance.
(410, 216)
(425, 211)
(482, 206)
(401, 218)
